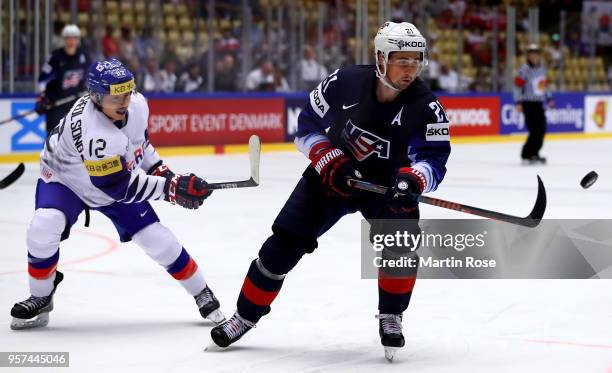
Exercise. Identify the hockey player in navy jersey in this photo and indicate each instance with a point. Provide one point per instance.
(380, 123)
(100, 157)
(62, 79)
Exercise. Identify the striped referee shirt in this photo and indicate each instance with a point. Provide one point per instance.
(530, 84)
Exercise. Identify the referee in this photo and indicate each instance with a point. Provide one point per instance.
(530, 94)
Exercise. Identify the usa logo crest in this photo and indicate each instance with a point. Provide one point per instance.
(363, 143)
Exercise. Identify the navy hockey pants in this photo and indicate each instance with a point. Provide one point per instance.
(309, 213)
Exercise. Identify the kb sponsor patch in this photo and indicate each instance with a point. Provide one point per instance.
(437, 132)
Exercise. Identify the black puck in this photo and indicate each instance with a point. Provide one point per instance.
(589, 179)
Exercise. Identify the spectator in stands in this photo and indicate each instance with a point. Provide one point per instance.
(227, 43)
(280, 83)
(151, 79)
(312, 72)
(433, 45)
(449, 79)
(139, 74)
(225, 74)
(482, 81)
(110, 45)
(474, 39)
(127, 50)
(147, 46)
(481, 53)
(554, 53)
(433, 71)
(191, 80)
(91, 43)
(167, 77)
(457, 9)
(169, 54)
(575, 44)
(261, 78)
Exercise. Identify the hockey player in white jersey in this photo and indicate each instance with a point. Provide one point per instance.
(99, 157)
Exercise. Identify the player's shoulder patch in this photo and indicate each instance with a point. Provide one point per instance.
(103, 167)
(438, 132)
(318, 102)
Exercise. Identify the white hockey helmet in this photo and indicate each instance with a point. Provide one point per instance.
(397, 37)
(71, 31)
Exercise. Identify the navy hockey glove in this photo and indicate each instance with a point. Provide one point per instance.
(408, 184)
(40, 107)
(188, 191)
(334, 167)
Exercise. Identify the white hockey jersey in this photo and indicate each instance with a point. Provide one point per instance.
(100, 162)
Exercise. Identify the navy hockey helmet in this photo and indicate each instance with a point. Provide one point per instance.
(109, 77)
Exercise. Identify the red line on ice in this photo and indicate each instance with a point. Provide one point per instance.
(112, 245)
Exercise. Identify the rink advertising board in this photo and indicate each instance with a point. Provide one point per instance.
(25, 134)
(293, 108)
(468, 115)
(597, 115)
(176, 122)
(566, 116)
(472, 115)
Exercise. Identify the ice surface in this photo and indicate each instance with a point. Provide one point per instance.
(119, 311)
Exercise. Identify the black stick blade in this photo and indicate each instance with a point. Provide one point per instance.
(540, 204)
(13, 176)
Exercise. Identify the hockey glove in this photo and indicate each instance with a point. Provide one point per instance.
(334, 167)
(188, 191)
(408, 184)
(40, 107)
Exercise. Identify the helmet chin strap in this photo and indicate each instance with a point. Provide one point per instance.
(383, 78)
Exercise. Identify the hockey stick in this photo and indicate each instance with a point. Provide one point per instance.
(532, 220)
(254, 152)
(55, 104)
(13, 176)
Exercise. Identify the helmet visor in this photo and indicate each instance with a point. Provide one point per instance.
(115, 101)
(406, 62)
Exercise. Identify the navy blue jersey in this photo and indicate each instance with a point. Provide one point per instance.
(63, 75)
(412, 130)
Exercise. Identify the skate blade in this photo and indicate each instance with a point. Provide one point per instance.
(213, 347)
(216, 316)
(390, 353)
(38, 322)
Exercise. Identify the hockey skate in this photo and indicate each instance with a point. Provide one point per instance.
(229, 332)
(209, 306)
(534, 160)
(34, 311)
(391, 336)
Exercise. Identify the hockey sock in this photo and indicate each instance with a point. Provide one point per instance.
(259, 290)
(394, 293)
(186, 271)
(42, 274)
(163, 247)
(395, 284)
